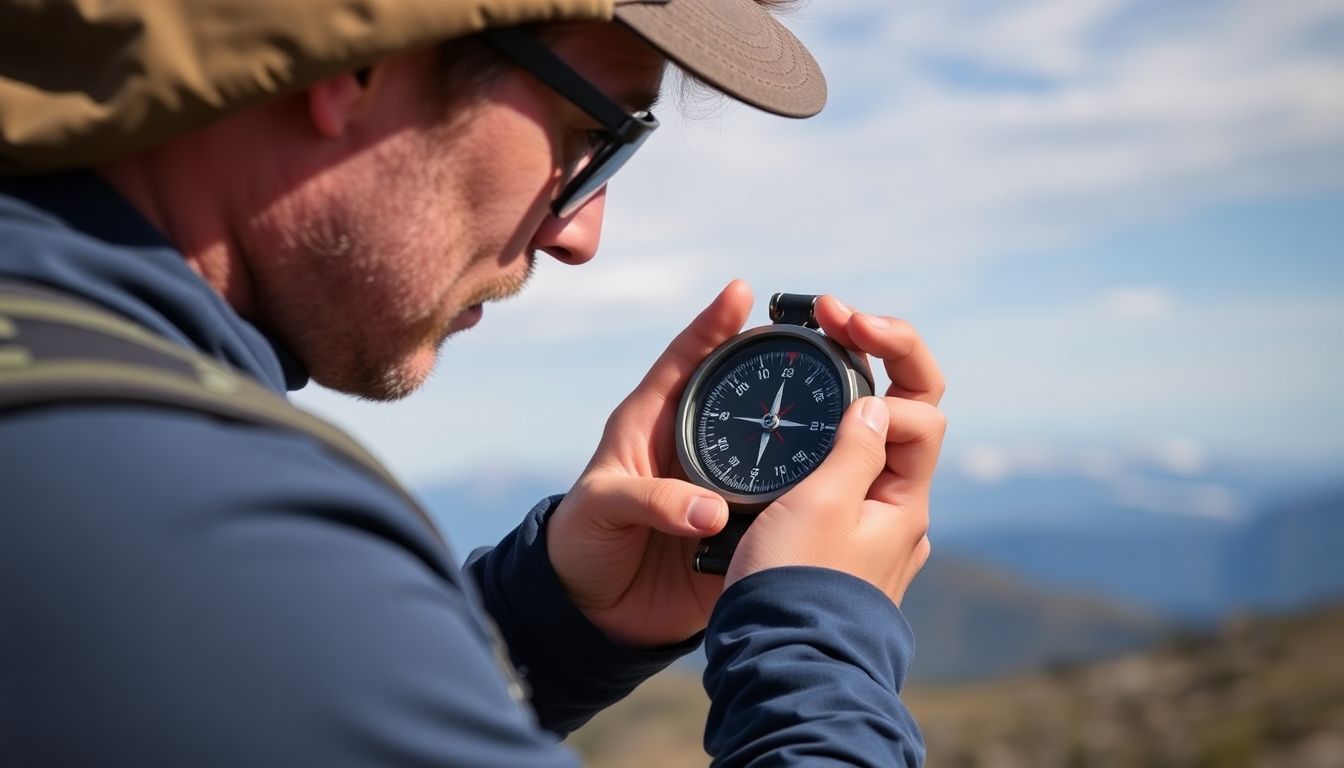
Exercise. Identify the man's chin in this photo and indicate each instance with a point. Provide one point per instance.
(388, 382)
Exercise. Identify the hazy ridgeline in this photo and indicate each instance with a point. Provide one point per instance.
(1259, 692)
(1059, 625)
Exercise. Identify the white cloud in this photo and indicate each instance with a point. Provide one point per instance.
(913, 168)
(1138, 303)
(1126, 113)
(1206, 500)
(1181, 456)
(1160, 476)
(1250, 375)
(987, 462)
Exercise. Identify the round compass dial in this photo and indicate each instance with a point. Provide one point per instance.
(767, 418)
(761, 412)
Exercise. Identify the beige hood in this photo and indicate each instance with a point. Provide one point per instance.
(85, 81)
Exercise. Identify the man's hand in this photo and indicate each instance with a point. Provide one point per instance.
(622, 539)
(865, 510)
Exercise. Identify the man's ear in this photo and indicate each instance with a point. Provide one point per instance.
(335, 102)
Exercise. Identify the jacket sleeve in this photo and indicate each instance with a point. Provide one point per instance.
(805, 668)
(570, 667)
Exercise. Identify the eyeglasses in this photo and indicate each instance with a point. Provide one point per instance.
(623, 132)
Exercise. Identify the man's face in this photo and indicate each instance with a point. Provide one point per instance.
(387, 244)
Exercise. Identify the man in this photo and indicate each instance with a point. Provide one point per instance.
(328, 190)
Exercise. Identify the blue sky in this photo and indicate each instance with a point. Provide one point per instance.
(1119, 223)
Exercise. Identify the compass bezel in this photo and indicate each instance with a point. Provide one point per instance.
(850, 371)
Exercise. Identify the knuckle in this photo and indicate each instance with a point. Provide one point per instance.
(929, 422)
(920, 524)
(904, 337)
(914, 524)
(657, 496)
(870, 453)
(588, 484)
(923, 551)
(903, 328)
(937, 387)
(937, 422)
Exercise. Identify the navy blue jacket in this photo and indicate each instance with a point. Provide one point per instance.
(176, 589)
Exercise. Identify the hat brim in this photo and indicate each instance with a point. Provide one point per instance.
(735, 46)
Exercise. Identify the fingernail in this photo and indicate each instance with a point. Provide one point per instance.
(874, 414)
(703, 513)
(877, 322)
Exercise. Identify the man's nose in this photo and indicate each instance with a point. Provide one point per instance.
(573, 240)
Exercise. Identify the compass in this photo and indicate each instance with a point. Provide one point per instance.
(760, 413)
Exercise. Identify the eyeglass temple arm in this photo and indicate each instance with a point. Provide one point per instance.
(522, 46)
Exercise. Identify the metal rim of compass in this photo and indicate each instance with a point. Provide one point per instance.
(851, 372)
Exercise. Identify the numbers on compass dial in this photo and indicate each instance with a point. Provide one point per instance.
(767, 416)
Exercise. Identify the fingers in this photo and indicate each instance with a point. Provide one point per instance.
(886, 466)
(855, 461)
(829, 520)
(922, 552)
(812, 523)
(919, 557)
(909, 364)
(723, 318)
(914, 441)
(615, 502)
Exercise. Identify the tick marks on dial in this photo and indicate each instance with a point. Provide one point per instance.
(775, 365)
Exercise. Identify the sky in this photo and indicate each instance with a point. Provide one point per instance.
(1119, 224)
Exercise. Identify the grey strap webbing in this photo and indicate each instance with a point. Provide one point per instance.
(56, 349)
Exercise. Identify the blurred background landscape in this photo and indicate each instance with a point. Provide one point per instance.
(1120, 226)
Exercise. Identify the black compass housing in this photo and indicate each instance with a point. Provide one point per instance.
(759, 414)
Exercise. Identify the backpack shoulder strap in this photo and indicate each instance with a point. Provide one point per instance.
(57, 349)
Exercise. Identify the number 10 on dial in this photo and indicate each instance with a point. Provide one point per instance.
(759, 414)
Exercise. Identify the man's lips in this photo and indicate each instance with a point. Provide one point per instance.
(467, 318)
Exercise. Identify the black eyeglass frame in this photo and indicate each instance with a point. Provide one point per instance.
(626, 131)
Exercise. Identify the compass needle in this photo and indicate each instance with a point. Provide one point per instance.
(714, 433)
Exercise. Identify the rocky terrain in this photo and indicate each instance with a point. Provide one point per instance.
(1259, 692)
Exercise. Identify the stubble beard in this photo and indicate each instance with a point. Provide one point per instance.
(401, 377)
(355, 327)
(398, 301)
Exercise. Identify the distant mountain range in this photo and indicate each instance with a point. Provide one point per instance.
(973, 622)
(1256, 547)
(1261, 692)
(1060, 567)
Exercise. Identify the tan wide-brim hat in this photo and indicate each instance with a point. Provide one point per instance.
(84, 82)
(735, 46)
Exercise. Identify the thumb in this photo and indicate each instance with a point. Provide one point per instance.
(674, 507)
(855, 461)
